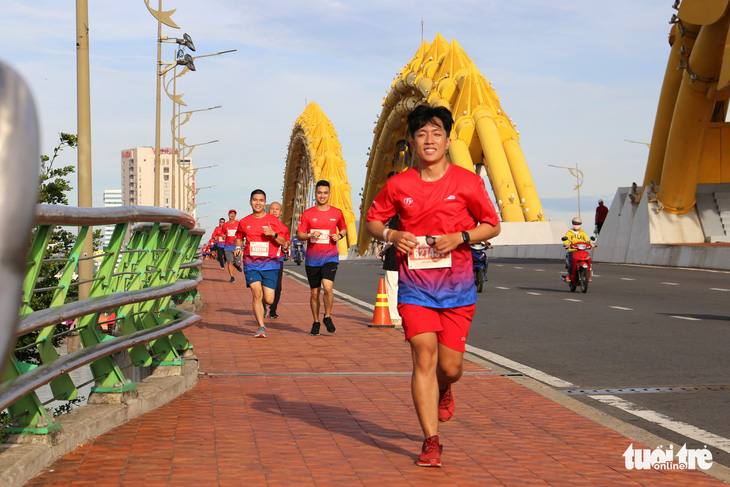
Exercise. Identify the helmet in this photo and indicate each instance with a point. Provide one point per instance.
(577, 221)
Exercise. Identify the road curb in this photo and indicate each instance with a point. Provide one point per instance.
(22, 457)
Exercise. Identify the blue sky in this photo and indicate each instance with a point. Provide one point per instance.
(577, 77)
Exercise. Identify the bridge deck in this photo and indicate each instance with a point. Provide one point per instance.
(336, 410)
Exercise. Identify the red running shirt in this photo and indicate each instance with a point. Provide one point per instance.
(229, 233)
(322, 250)
(454, 203)
(261, 252)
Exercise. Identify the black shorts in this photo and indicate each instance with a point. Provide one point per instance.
(316, 274)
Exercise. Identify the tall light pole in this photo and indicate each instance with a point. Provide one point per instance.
(163, 17)
(176, 139)
(83, 121)
(578, 174)
(188, 62)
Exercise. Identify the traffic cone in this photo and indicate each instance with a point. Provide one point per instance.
(381, 316)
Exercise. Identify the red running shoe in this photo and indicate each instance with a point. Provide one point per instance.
(446, 405)
(430, 453)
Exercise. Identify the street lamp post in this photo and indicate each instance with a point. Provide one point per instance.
(83, 121)
(189, 185)
(578, 174)
(188, 62)
(163, 17)
(175, 139)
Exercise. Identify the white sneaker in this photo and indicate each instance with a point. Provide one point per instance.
(261, 333)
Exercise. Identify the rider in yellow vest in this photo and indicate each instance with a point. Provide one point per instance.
(574, 235)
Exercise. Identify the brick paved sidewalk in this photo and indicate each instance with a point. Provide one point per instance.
(293, 409)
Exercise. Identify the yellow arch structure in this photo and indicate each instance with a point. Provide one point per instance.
(441, 74)
(315, 153)
(691, 138)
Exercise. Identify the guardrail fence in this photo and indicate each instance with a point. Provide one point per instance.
(131, 306)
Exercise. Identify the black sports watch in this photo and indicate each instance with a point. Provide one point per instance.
(465, 236)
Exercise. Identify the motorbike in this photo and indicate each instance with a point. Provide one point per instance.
(481, 262)
(579, 273)
(298, 252)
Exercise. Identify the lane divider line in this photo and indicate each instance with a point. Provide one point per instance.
(719, 289)
(622, 308)
(671, 283)
(525, 369)
(628, 279)
(688, 318)
(684, 429)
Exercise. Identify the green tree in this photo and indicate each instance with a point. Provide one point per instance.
(53, 189)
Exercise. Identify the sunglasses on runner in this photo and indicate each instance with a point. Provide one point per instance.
(430, 241)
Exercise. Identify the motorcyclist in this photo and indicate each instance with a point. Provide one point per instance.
(574, 235)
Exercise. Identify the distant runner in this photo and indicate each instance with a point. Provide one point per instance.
(275, 210)
(264, 235)
(322, 226)
(229, 244)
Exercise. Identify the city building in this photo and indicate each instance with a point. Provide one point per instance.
(112, 197)
(177, 184)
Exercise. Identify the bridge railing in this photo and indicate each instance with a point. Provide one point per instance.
(136, 284)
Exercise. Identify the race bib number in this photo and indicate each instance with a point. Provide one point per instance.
(258, 249)
(425, 257)
(324, 237)
(231, 232)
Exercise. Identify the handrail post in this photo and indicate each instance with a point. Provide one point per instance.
(19, 172)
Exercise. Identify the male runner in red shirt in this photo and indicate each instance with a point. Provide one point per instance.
(322, 226)
(229, 243)
(264, 235)
(219, 239)
(442, 207)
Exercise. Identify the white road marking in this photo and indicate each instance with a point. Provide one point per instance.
(684, 429)
(628, 279)
(500, 287)
(671, 283)
(719, 289)
(527, 370)
(535, 294)
(574, 300)
(622, 308)
(516, 267)
(688, 318)
(539, 270)
(704, 437)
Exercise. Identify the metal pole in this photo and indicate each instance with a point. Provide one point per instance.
(83, 120)
(157, 109)
(578, 183)
(173, 169)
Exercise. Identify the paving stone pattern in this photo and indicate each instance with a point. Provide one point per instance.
(336, 410)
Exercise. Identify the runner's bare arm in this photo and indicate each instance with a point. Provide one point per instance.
(485, 231)
(404, 241)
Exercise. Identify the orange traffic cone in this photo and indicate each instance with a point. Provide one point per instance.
(381, 316)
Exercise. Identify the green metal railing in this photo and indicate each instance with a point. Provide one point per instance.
(138, 283)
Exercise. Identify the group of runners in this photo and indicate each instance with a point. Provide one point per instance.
(257, 244)
(442, 207)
